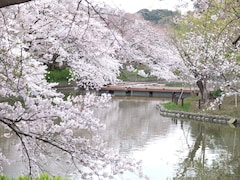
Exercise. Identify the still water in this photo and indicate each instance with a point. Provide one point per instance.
(169, 148)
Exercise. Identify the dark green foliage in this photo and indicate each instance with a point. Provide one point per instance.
(158, 16)
(41, 177)
(216, 93)
(58, 75)
(2, 177)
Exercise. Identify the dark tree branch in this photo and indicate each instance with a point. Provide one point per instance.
(235, 42)
(4, 3)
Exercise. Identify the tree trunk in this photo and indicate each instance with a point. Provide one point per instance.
(202, 85)
(4, 3)
(205, 91)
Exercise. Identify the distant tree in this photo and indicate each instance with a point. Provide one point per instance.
(158, 16)
(147, 44)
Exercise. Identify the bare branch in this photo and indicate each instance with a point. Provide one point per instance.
(235, 42)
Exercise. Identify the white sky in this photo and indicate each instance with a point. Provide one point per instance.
(133, 6)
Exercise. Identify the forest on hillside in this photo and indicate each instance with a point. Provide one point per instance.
(159, 16)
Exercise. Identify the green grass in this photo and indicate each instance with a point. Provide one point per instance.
(41, 177)
(187, 103)
(191, 105)
(58, 75)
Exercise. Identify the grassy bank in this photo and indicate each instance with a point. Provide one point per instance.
(191, 104)
(187, 103)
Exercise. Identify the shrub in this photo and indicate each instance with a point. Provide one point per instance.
(216, 93)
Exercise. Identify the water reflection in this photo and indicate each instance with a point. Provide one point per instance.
(169, 148)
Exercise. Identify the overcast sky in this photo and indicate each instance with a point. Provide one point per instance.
(133, 6)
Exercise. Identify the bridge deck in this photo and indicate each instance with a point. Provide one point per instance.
(145, 89)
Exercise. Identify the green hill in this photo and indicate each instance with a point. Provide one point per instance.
(159, 16)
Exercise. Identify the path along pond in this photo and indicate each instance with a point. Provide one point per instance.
(169, 148)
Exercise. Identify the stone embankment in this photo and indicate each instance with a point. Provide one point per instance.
(198, 116)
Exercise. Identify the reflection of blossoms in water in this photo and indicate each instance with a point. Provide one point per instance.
(3, 160)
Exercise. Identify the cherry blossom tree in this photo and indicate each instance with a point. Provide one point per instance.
(209, 60)
(147, 44)
(78, 38)
(226, 10)
(207, 48)
(45, 122)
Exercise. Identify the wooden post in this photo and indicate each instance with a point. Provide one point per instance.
(199, 104)
(173, 96)
(176, 100)
(182, 100)
(219, 106)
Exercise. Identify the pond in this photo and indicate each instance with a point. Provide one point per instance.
(169, 148)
